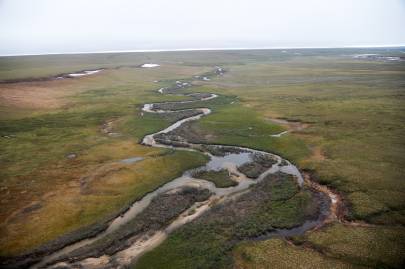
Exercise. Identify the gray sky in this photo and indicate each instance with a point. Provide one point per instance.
(52, 26)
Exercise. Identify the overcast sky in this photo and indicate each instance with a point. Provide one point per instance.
(52, 26)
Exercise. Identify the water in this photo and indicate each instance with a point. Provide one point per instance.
(131, 160)
(234, 159)
(229, 162)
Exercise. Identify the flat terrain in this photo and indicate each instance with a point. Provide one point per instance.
(66, 148)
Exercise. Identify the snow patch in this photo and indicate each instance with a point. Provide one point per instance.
(149, 65)
(84, 73)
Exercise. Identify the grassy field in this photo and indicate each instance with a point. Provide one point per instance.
(221, 178)
(356, 120)
(39, 179)
(352, 110)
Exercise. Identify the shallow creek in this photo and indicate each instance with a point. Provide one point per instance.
(232, 157)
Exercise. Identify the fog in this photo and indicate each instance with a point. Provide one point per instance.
(56, 26)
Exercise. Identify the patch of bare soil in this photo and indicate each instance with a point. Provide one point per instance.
(34, 95)
(98, 174)
(318, 154)
(108, 127)
(291, 125)
(338, 207)
(297, 126)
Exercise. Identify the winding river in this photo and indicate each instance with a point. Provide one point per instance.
(230, 160)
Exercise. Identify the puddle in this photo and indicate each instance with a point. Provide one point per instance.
(131, 160)
(235, 159)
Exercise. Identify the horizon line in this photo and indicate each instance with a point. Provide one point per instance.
(202, 49)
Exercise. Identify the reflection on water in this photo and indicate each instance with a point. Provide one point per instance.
(236, 159)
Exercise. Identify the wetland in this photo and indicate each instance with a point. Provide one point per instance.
(229, 159)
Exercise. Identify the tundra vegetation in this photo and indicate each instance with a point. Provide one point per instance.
(62, 142)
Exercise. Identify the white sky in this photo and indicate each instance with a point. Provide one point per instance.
(52, 26)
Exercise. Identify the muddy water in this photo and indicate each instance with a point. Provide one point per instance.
(230, 161)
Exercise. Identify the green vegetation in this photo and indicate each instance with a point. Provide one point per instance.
(220, 178)
(39, 179)
(235, 124)
(161, 211)
(376, 247)
(109, 189)
(259, 165)
(355, 110)
(353, 141)
(335, 246)
(206, 243)
(277, 253)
